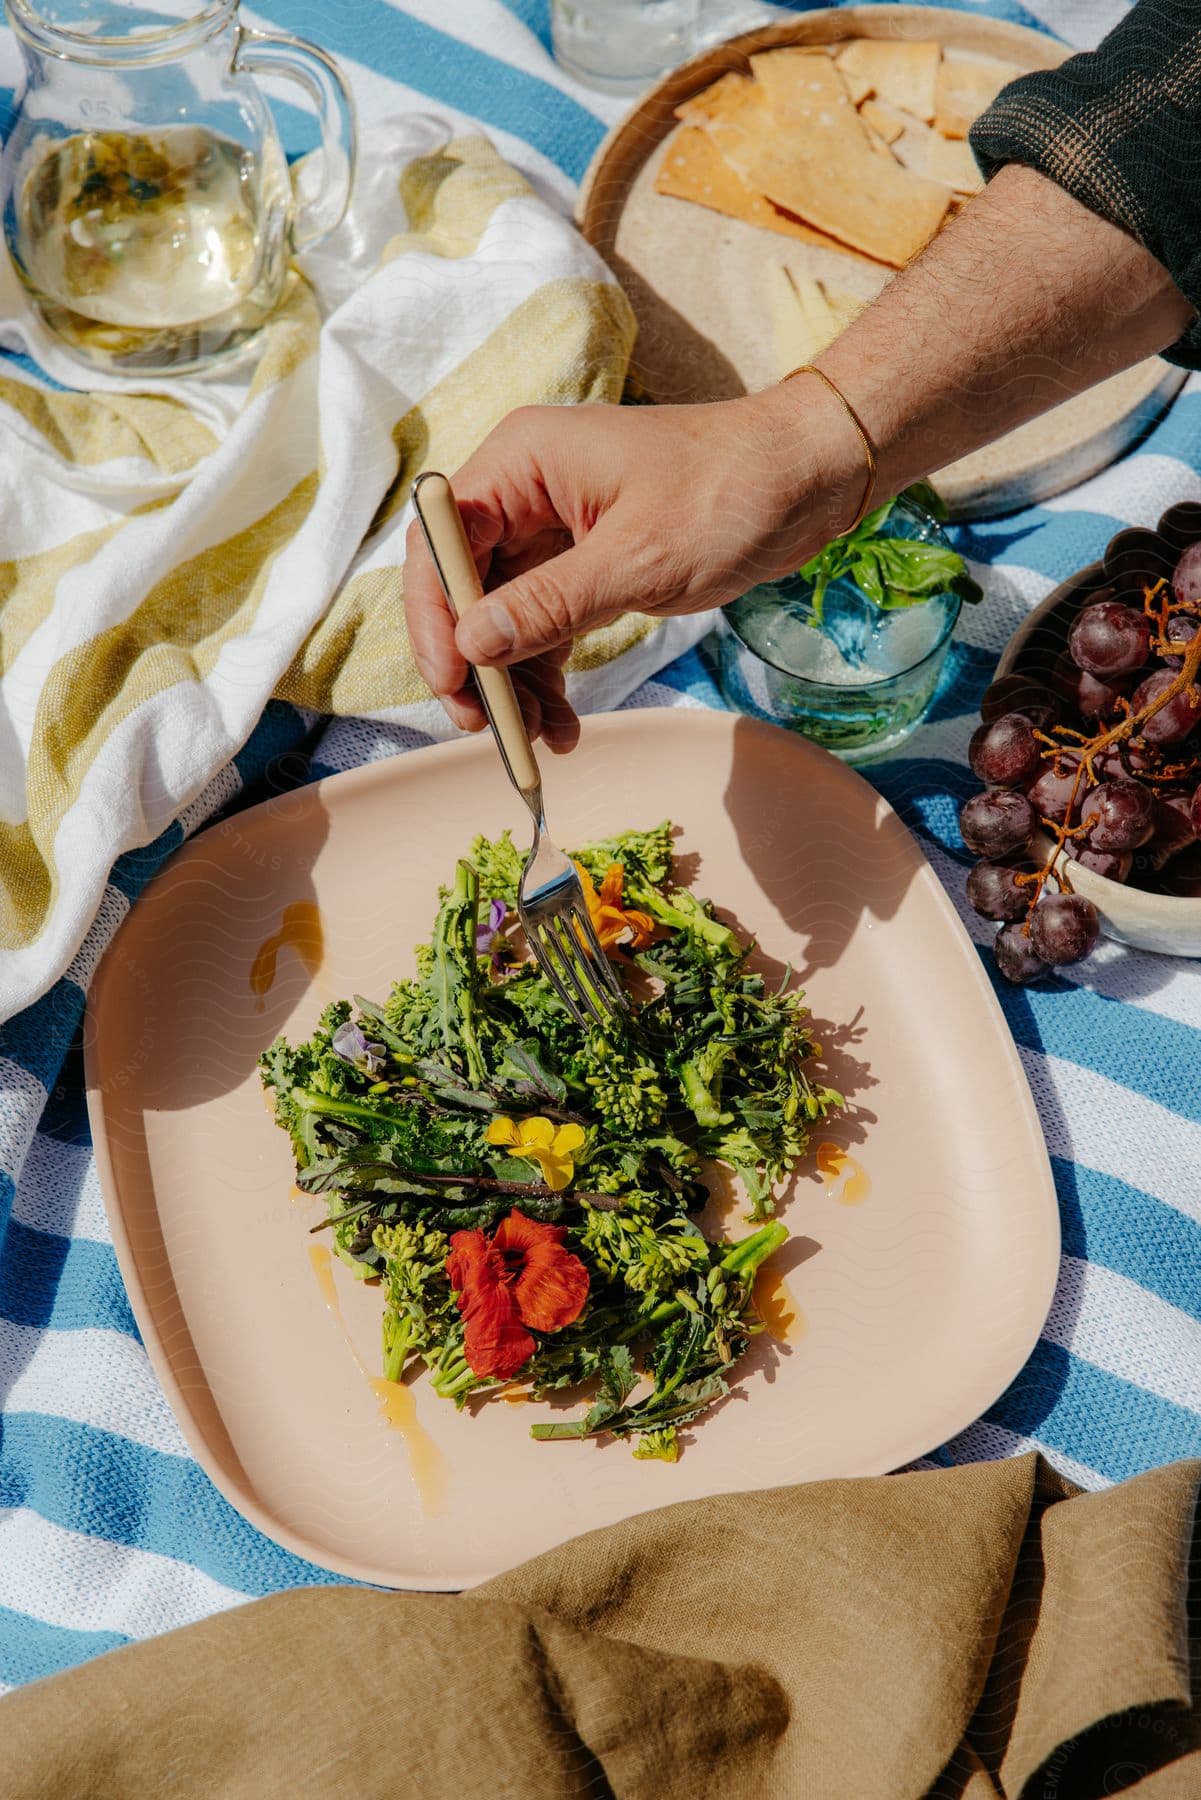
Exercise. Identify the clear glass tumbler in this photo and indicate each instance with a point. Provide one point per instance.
(622, 46)
(859, 680)
(148, 208)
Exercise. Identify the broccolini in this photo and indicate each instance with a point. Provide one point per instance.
(527, 1190)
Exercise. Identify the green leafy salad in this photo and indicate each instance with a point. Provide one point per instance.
(527, 1190)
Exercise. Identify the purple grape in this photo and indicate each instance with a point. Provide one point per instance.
(1020, 693)
(1134, 561)
(1115, 865)
(1016, 957)
(1174, 829)
(1180, 526)
(1050, 793)
(1174, 721)
(994, 892)
(1120, 815)
(1186, 581)
(1124, 761)
(1182, 880)
(1110, 639)
(1195, 813)
(1064, 927)
(997, 823)
(1006, 752)
(1180, 629)
(1091, 698)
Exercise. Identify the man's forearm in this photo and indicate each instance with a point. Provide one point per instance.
(1025, 300)
(594, 511)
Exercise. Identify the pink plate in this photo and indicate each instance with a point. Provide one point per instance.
(920, 1271)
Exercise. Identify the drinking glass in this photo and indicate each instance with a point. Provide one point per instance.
(147, 202)
(858, 681)
(622, 46)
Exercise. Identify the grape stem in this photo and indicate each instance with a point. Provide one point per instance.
(1091, 748)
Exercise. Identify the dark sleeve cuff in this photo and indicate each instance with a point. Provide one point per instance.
(1119, 128)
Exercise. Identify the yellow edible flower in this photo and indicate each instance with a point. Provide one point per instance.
(538, 1140)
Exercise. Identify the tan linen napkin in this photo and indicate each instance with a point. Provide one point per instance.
(956, 1634)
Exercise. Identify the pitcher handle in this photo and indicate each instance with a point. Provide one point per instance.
(295, 59)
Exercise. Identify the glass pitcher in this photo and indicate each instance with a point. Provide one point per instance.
(147, 201)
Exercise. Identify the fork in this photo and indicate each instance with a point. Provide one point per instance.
(550, 897)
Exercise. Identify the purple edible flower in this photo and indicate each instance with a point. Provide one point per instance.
(351, 1044)
(488, 929)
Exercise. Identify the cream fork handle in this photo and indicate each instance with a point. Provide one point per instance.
(442, 524)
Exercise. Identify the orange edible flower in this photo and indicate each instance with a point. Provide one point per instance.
(612, 922)
(521, 1279)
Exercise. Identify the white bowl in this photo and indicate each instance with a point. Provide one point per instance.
(1166, 923)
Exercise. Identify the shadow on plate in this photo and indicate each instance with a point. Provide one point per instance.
(857, 863)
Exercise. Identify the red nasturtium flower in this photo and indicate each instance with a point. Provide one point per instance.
(519, 1279)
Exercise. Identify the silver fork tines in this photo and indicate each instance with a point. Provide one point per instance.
(554, 915)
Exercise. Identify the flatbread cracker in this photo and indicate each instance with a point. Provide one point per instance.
(807, 150)
(720, 101)
(723, 98)
(807, 315)
(950, 161)
(693, 169)
(898, 71)
(737, 111)
(859, 86)
(886, 121)
(966, 86)
(797, 92)
(791, 334)
(878, 144)
(927, 153)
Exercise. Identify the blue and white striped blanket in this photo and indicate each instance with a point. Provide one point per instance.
(108, 1529)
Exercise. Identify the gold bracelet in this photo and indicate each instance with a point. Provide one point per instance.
(868, 447)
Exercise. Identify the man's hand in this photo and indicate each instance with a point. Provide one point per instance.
(577, 515)
(580, 514)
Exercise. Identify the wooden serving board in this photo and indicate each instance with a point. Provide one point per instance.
(698, 281)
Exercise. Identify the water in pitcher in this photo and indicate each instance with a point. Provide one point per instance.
(152, 240)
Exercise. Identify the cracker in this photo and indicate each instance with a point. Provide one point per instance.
(693, 169)
(900, 72)
(950, 161)
(886, 121)
(725, 97)
(858, 85)
(965, 87)
(808, 151)
(927, 153)
(878, 144)
(807, 315)
(736, 111)
(791, 335)
(722, 100)
(795, 94)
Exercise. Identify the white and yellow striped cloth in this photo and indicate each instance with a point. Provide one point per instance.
(176, 555)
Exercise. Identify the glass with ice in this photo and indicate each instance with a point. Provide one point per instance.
(859, 678)
(622, 46)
